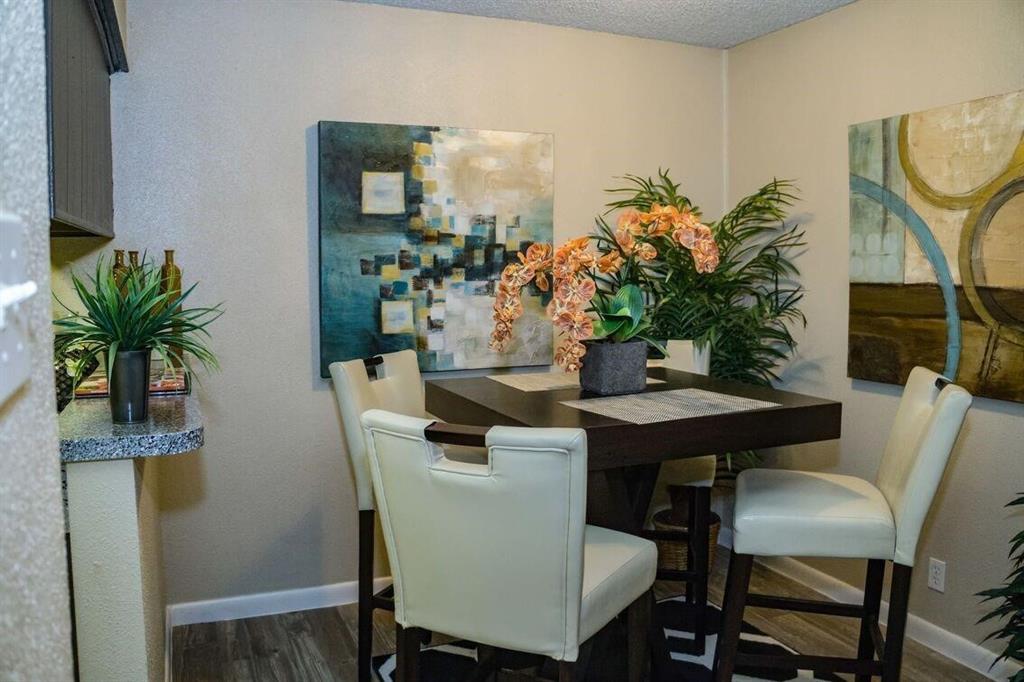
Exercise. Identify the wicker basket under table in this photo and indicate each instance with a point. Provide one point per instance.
(672, 553)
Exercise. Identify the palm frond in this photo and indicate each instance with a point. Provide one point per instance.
(1010, 604)
(748, 303)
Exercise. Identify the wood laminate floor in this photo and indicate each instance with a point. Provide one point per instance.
(321, 644)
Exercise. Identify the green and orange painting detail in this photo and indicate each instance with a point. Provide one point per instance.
(937, 246)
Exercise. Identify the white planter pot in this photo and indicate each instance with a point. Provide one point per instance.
(684, 355)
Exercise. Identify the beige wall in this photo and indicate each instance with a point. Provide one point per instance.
(35, 623)
(791, 96)
(213, 145)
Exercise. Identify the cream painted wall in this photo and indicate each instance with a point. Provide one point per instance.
(791, 96)
(213, 145)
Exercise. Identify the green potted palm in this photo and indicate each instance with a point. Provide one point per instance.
(1010, 603)
(127, 317)
(743, 309)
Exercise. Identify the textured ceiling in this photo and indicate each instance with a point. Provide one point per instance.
(710, 23)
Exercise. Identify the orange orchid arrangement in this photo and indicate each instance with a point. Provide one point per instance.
(617, 283)
(638, 232)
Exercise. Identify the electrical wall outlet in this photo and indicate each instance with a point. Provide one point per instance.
(936, 575)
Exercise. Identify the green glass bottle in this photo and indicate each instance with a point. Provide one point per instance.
(170, 283)
(119, 269)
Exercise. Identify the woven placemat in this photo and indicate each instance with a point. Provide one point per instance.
(546, 381)
(663, 406)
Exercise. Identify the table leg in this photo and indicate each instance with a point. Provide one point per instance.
(599, 501)
(608, 503)
(642, 479)
(618, 498)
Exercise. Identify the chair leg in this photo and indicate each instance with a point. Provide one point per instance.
(638, 624)
(899, 597)
(691, 504)
(697, 592)
(729, 569)
(365, 617)
(660, 654)
(872, 602)
(567, 671)
(407, 641)
(740, 566)
(486, 664)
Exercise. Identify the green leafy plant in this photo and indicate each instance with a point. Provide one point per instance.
(642, 193)
(623, 316)
(1011, 603)
(133, 314)
(744, 308)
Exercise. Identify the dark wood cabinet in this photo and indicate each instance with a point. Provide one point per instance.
(83, 49)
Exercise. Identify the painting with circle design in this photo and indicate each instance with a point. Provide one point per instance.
(937, 246)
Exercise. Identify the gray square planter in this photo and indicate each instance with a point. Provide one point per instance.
(614, 368)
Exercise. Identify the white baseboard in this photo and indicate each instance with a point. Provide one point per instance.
(266, 603)
(950, 645)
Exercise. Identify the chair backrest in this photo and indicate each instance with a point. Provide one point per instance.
(685, 357)
(397, 388)
(489, 552)
(922, 437)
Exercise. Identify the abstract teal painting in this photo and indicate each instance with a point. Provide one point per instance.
(416, 225)
(937, 246)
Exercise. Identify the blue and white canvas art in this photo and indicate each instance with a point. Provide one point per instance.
(416, 225)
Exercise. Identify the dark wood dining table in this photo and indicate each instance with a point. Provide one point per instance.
(624, 458)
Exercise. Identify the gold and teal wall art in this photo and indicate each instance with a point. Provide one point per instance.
(416, 225)
(937, 246)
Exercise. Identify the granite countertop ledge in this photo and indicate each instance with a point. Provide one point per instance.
(87, 434)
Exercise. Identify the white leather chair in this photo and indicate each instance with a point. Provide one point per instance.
(499, 553)
(798, 513)
(696, 475)
(397, 387)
